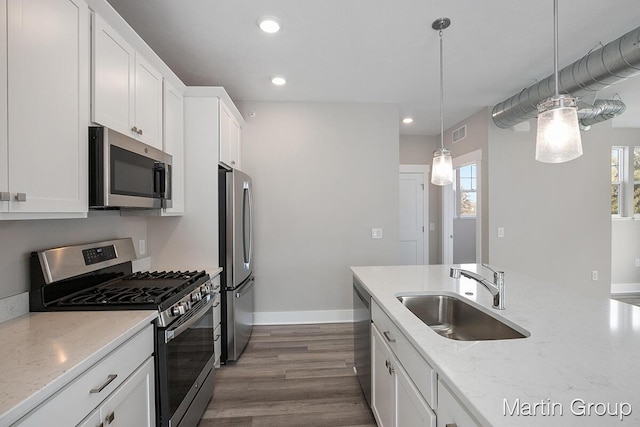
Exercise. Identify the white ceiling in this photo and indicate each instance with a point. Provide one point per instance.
(381, 50)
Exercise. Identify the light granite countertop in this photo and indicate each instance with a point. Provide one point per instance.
(41, 352)
(583, 347)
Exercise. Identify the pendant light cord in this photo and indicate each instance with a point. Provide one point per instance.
(555, 44)
(442, 96)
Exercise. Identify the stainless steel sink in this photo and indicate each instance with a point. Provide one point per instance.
(456, 319)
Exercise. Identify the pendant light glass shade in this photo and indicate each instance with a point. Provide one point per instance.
(442, 169)
(558, 136)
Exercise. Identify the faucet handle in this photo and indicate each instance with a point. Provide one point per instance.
(496, 273)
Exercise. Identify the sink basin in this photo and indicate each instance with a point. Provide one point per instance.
(456, 319)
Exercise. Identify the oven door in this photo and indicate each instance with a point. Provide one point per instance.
(185, 366)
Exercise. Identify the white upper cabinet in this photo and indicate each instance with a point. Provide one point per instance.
(174, 145)
(45, 104)
(148, 101)
(230, 132)
(126, 89)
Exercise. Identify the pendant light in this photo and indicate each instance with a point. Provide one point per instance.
(442, 168)
(558, 136)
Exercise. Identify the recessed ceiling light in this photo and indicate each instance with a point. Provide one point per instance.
(269, 24)
(278, 80)
(407, 120)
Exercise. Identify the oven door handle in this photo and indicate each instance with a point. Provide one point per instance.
(170, 334)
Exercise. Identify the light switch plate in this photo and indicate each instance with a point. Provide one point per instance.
(376, 233)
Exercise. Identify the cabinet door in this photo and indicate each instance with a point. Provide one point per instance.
(382, 381)
(411, 409)
(234, 143)
(148, 103)
(450, 411)
(132, 404)
(4, 174)
(174, 145)
(225, 120)
(48, 70)
(113, 71)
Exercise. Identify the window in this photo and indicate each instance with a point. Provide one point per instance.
(466, 189)
(617, 172)
(625, 181)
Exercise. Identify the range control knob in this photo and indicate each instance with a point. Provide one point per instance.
(177, 310)
(196, 296)
(185, 306)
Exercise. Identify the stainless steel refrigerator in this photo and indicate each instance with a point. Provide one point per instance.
(236, 258)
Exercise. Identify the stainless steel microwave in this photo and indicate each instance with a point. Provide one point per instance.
(126, 173)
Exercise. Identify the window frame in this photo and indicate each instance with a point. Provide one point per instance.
(622, 156)
(458, 191)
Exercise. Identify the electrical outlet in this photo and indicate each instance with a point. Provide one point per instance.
(432, 226)
(376, 233)
(142, 247)
(637, 262)
(500, 232)
(594, 275)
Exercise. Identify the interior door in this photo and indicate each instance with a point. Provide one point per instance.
(411, 218)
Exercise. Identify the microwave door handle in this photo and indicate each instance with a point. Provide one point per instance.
(160, 178)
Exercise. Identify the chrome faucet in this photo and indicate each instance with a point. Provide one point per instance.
(496, 289)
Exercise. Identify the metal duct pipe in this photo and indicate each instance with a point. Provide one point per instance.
(602, 109)
(612, 63)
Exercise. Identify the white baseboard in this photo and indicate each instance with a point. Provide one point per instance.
(625, 288)
(302, 317)
(14, 306)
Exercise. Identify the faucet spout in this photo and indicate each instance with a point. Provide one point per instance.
(496, 288)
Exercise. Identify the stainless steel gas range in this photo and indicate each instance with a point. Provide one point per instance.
(98, 276)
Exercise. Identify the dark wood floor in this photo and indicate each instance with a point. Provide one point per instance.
(297, 375)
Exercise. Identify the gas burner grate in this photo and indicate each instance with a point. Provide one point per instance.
(157, 275)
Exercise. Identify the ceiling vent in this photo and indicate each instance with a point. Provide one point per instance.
(615, 62)
(459, 134)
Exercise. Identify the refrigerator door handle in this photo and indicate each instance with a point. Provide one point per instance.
(247, 209)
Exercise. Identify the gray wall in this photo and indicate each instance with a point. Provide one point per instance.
(464, 247)
(556, 216)
(20, 238)
(418, 150)
(324, 174)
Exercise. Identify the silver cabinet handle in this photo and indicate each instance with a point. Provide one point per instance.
(451, 425)
(139, 131)
(5, 196)
(388, 336)
(134, 129)
(20, 197)
(98, 389)
(216, 304)
(217, 337)
(109, 419)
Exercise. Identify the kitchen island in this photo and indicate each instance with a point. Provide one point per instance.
(42, 353)
(580, 360)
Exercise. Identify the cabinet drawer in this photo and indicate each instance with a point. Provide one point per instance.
(451, 411)
(421, 373)
(80, 397)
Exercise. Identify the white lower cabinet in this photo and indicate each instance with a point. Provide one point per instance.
(129, 404)
(396, 402)
(119, 390)
(451, 413)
